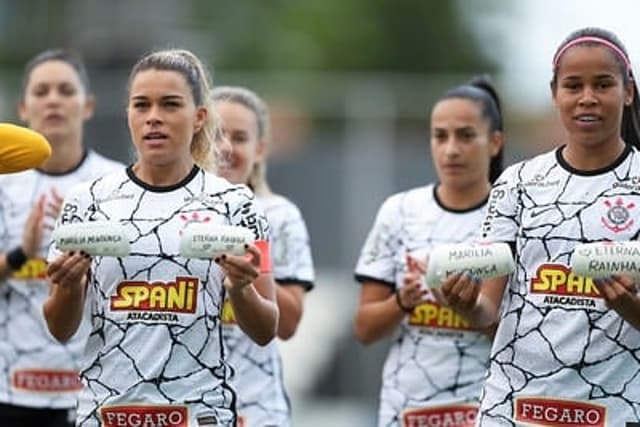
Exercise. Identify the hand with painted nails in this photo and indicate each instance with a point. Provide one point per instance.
(460, 292)
(620, 293)
(412, 292)
(69, 270)
(240, 270)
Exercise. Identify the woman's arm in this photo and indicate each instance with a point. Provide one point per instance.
(479, 302)
(252, 295)
(290, 298)
(381, 310)
(63, 308)
(378, 313)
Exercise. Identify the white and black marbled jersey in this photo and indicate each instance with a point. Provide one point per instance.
(258, 371)
(155, 350)
(35, 369)
(437, 360)
(560, 356)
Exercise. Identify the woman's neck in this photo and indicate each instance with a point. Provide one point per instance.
(65, 156)
(463, 198)
(592, 157)
(162, 175)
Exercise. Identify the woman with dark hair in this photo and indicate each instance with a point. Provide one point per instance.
(437, 360)
(566, 346)
(39, 376)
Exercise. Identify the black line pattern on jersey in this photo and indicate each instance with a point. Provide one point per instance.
(290, 251)
(504, 359)
(188, 342)
(21, 328)
(254, 365)
(412, 231)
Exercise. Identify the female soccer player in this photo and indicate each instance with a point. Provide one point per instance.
(262, 400)
(566, 348)
(437, 360)
(38, 375)
(155, 354)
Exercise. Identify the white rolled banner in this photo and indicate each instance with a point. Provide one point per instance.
(96, 238)
(482, 260)
(602, 259)
(207, 241)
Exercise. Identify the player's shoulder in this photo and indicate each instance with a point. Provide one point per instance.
(102, 164)
(538, 165)
(215, 185)
(409, 198)
(101, 184)
(17, 178)
(279, 203)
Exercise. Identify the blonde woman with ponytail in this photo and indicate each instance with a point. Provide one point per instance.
(262, 399)
(155, 355)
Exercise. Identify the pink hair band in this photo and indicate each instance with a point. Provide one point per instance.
(591, 39)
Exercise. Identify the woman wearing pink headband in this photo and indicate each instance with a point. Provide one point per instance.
(566, 348)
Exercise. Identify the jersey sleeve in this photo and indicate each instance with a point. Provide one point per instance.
(502, 221)
(291, 251)
(376, 262)
(245, 212)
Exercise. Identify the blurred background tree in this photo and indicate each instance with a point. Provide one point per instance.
(343, 35)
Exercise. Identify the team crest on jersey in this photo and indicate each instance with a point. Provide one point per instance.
(618, 216)
(561, 287)
(194, 218)
(156, 301)
(454, 416)
(433, 315)
(537, 411)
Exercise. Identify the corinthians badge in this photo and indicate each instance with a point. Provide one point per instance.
(617, 218)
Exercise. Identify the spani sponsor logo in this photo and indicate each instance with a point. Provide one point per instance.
(558, 279)
(228, 316)
(441, 416)
(144, 416)
(433, 315)
(559, 413)
(33, 269)
(174, 297)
